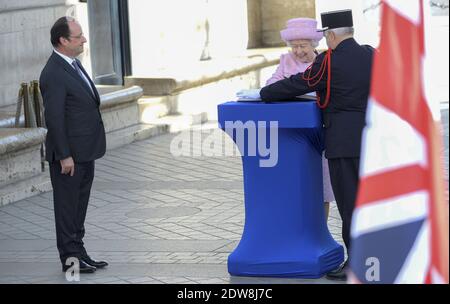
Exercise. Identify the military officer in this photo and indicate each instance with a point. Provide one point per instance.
(341, 79)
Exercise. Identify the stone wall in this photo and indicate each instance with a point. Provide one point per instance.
(20, 156)
(275, 13)
(266, 18)
(25, 42)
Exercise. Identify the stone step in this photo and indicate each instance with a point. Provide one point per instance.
(25, 188)
(130, 134)
(180, 122)
(153, 107)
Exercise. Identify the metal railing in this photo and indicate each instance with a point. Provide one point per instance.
(30, 100)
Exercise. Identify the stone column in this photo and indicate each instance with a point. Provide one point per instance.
(254, 23)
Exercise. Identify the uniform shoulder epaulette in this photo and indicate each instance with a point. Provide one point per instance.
(369, 47)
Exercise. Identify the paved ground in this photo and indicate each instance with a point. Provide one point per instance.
(156, 218)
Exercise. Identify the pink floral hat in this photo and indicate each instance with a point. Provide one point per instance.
(301, 28)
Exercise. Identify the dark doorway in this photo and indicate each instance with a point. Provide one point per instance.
(109, 41)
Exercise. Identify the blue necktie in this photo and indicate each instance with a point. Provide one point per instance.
(77, 68)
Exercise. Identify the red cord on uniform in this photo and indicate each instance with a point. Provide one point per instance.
(315, 79)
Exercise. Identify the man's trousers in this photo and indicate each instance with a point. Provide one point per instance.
(70, 199)
(344, 175)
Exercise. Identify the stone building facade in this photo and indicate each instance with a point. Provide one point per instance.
(160, 33)
(160, 65)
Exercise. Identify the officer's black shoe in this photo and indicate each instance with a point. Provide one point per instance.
(338, 274)
(94, 263)
(84, 267)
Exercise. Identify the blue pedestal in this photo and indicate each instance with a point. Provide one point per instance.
(285, 232)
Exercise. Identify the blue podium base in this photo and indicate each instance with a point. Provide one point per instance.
(312, 268)
(285, 232)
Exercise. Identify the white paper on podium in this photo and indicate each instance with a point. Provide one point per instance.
(309, 96)
(240, 99)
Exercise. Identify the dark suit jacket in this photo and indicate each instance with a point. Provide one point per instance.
(344, 118)
(72, 113)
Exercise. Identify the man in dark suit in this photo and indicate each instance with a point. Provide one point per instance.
(75, 139)
(341, 77)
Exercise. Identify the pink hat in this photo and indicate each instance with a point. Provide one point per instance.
(301, 28)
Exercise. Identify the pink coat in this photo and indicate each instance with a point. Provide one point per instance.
(290, 66)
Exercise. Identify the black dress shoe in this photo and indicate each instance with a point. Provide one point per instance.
(94, 263)
(84, 267)
(338, 274)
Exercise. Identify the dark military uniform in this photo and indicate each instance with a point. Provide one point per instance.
(343, 118)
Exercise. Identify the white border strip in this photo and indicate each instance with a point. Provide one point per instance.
(390, 213)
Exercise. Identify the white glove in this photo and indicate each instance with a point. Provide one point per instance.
(249, 94)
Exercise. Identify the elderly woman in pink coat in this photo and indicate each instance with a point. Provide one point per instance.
(301, 35)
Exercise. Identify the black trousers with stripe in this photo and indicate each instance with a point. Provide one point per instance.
(344, 175)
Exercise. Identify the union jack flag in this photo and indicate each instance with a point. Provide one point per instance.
(400, 223)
